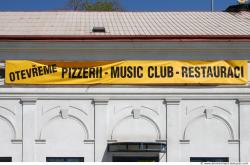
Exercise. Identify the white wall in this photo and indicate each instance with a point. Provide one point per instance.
(211, 127)
(11, 129)
(195, 122)
(136, 121)
(67, 127)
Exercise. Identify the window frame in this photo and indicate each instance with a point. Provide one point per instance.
(8, 158)
(63, 158)
(209, 159)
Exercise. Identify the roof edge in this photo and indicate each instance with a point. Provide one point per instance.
(120, 37)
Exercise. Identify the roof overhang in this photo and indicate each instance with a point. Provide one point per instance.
(123, 37)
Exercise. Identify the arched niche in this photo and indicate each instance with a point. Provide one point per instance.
(136, 130)
(67, 130)
(200, 129)
(7, 129)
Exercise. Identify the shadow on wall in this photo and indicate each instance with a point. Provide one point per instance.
(107, 157)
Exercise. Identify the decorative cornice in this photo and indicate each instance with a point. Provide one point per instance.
(89, 141)
(28, 101)
(243, 101)
(172, 101)
(101, 90)
(236, 141)
(16, 141)
(161, 141)
(184, 141)
(102, 101)
(40, 141)
(111, 141)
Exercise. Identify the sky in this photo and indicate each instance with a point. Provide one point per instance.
(128, 5)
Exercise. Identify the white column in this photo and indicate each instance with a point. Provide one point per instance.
(173, 131)
(100, 128)
(29, 108)
(244, 136)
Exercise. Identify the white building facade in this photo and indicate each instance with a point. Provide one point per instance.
(124, 122)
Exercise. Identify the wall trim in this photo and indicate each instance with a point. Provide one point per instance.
(28, 101)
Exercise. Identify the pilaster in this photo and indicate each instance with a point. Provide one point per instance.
(244, 131)
(172, 106)
(100, 128)
(28, 126)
